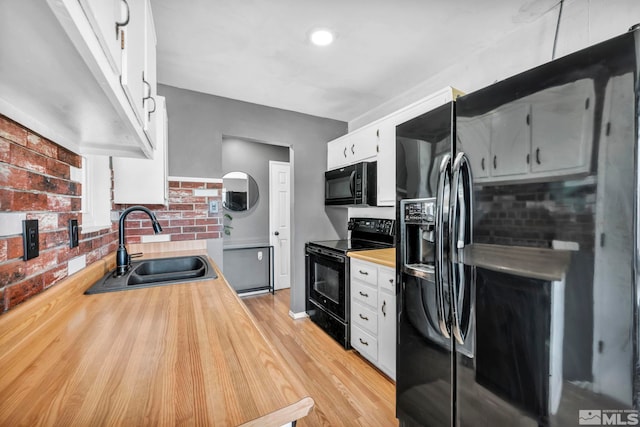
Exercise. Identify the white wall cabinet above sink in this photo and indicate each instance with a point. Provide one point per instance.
(144, 181)
(59, 75)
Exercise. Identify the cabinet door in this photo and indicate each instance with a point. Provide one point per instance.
(387, 321)
(337, 152)
(144, 181)
(102, 16)
(473, 136)
(363, 144)
(387, 163)
(150, 80)
(387, 332)
(562, 127)
(133, 58)
(510, 140)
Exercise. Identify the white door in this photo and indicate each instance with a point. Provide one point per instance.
(280, 222)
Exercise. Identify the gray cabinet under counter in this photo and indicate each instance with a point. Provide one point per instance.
(249, 267)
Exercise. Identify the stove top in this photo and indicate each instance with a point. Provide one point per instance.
(366, 233)
(350, 245)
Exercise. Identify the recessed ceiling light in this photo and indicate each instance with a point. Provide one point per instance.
(321, 37)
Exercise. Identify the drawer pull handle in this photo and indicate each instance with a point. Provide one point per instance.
(384, 305)
(363, 342)
(363, 294)
(365, 273)
(363, 317)
(391, 281)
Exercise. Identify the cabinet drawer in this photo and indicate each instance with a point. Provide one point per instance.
(364, 343)
(387, 279)
(364, 293)
(364, 317)
(364, 271)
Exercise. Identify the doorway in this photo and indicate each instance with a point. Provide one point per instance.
(252, 226)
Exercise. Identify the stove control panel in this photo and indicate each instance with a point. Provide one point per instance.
(373, 225)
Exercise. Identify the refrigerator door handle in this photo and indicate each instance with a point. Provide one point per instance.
(445, 174)
(458, 225)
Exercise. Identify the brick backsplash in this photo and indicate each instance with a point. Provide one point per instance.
(186, 217)
(35, 183)
(535, 214)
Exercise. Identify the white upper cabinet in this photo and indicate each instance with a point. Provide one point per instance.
(144, 181)
(386, 163)
(149, 76)
(354, 147)
(133, 60)
(59, 74)
(377, 141)
(105, 17)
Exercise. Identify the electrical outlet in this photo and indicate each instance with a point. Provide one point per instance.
(30, 237)
(73, 233)
(213, 206)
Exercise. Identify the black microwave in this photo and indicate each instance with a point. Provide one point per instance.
(351, 185)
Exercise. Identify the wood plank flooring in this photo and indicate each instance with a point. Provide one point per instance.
(348, 391)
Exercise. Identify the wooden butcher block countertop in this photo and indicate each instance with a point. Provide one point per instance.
(178, 354)
(386, 257)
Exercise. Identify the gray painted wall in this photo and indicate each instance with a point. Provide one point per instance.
(252, 158)
(197, 122)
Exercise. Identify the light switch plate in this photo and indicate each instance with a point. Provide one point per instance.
(30, 237)
(213, 206)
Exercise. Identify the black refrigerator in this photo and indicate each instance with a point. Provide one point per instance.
(517, 251)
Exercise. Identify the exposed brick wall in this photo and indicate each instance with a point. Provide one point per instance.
(535, 214)
(35, 179)
(186, 217)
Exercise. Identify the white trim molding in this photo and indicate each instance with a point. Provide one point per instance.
(193, 179)
(299, 315)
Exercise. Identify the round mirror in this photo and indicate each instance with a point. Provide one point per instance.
(239, 191)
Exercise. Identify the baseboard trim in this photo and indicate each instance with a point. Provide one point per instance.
(296, 316)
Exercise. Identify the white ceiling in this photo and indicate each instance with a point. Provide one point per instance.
(258, 51)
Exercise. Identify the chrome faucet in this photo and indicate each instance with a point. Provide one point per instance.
(123, 260)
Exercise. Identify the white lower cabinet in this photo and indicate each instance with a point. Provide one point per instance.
(373, 314)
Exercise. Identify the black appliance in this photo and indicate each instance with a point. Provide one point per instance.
(518, 251)
(353, 185)
(327, 273)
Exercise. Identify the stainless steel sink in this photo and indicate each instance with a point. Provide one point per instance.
(156, 272)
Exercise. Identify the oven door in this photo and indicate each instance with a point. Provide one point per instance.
(327, 281)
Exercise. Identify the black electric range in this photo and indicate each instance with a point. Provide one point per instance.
(327, 273)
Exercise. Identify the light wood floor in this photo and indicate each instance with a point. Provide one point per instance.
(347, 390)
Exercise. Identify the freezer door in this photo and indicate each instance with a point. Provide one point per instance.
(424, 368)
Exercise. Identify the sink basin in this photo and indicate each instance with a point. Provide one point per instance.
(156, 272)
